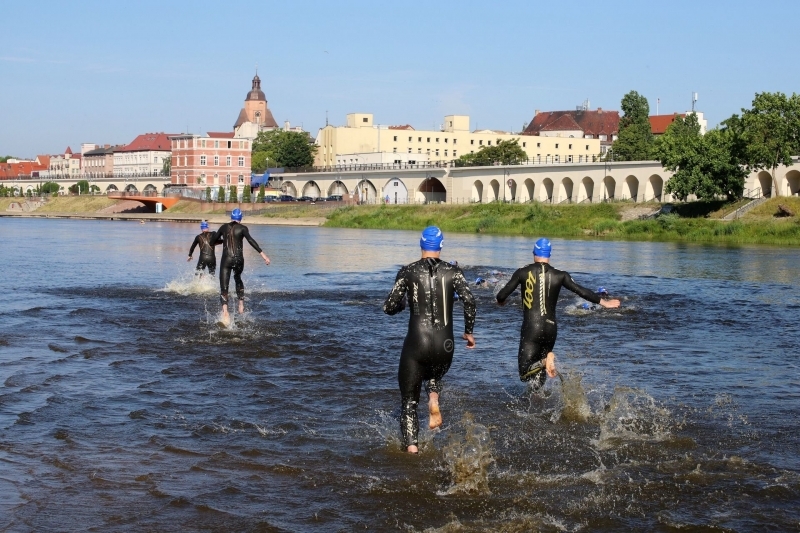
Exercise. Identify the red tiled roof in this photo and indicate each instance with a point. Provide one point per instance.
(562, 123)
(23, 168)
(597, 122)
(43, 160)
(68, 151)
(220, 134)
(660, 123)
(403, 127)
(149, 141)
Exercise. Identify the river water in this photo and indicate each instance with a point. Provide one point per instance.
(123, 406)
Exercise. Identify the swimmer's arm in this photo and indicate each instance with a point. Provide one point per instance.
(194, 245)
(395, 301)
(510, 287)
(216, 237)
(251, 240)
(470, 309)
(580, 290)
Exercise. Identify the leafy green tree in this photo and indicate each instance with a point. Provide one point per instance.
(221, 194)
(246, 194)
(261, 193)
(706, 166)
(50, 187)
(279, 148)
(94, 188)
(635, 140)
(4, 159)
(208, 194)
(502, 153)
(81, 187)
(234, 194)
(771, 130)
(166, 167)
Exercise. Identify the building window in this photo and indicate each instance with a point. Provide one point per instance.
(228, 161)
(429, 139)
(216, 160)
(429, 151)
(409, 150)
(603, 138)
(445, 153)
(419, 150)
(216, 179)
(570, 147)
(437, 139)
(454, 153)
(202, 160)
(395, 138)
(569, 158)
(523, 144)
(241, 161)
(365, 119)
(241, 178)
(556, 146)
(230, 144)
(455, 140)
(155, 160)
(480, 142)
(409, 139)
(185, 161)
(558, 159)
(216, 144)
(419, 139)
(538, 145)
(587, 147)
(394, 150)
(445, 139)
(472, 141)
(228, 179)
(489, 143)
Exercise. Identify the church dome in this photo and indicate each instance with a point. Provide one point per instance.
(256, 93)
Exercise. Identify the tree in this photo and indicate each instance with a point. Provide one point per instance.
(771, 131)
(234, 194)
(50, 187)
(221, 194)
(94, 188)
(166, 167)
(635, 140)
(208, 194)
(706, 166)
(246, 195)
(502, 153)
(279, 148)
(261, 193)
(81, 187)
(4, 159)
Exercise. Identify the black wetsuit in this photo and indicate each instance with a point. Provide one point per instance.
(540, 284)
(208, 259)
(428, 347)
(232, 236)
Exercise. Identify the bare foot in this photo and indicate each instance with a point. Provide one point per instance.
(225, 320)
(412, 449)
(241, 307)
(433, 409)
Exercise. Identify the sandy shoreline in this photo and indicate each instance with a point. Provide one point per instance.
(177, 217)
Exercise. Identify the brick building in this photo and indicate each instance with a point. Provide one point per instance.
(579, 124)
(99, 162)
(210, 161)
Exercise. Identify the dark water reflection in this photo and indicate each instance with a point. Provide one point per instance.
(123, 406)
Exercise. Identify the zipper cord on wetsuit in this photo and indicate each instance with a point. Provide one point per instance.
(542, 293)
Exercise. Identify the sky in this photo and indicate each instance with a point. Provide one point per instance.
(105, 72)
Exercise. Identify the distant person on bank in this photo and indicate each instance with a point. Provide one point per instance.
(208, 259)
(540, 285)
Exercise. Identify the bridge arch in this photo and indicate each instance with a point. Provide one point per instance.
(111, 187)
(338, 188)
(477, 191)
(793, 183)
(586, 189)
(609, 188)
(311, 189)
(530, 189)
(150, 188)
(653, 188)
(431, 190)
(546, 192)
(366, 191)
(512, 191)
(765, 182)
(631, 188)
(565, 190)
(289, 188)
(131, 188)
(397, 191)
(494, 194)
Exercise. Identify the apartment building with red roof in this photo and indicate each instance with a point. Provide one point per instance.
(218, 158)
(579, 124)
(660, 123)
(144, 156)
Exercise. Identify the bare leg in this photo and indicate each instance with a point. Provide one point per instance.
(226, 317)
(433, 410)
(241, 306)
(550, 365)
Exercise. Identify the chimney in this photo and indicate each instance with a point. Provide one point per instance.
(286, 125)
(535, 112)
(599, 109)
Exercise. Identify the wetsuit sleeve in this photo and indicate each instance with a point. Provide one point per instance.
(250, 239)
(580, 290)
(510, 287)
(394, 302)
(194, 245)
(470, 309)
(216, 237)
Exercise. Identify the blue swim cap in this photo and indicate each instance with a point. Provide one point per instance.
(602, 290)
(454, 263)
(585, 305)
(204, 225)
(478, 281)
(431, 240)
(542, 248)
(236, 215)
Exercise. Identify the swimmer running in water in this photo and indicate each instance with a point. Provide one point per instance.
(540, 284)
(208, 259)
(232, 236)
(428, 347)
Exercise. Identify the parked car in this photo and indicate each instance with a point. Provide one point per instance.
(306, 199)
(334, 198)
(286, 198)
(268, 199)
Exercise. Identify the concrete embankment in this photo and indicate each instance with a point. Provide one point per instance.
(166, 217)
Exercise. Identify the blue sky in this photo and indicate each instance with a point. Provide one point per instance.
(105, 72)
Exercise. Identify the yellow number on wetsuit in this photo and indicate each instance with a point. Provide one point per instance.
(529, 284)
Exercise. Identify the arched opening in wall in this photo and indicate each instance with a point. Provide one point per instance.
(131, 188)
(631, 188)
(565, 191)
(338, 188)
(609, 188)
(431, 191)
(765, 182)
(529, 187)
(150, 188)
(289, 189)
(311, 189)
(112, 188)
(396, 190)
(366, 193)
(494, 193)
(477, 191)
(512, 191)
(546, 192)
(793, 183)
(586, 192)
(654, 188)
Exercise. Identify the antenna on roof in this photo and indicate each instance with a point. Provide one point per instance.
(326, 117)
(694, 99)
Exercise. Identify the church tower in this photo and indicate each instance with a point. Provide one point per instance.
(255, 108)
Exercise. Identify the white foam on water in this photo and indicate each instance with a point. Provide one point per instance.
(190, 284)
(632, 415)
(468, 457)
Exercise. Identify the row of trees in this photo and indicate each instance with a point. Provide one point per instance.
(279, 148)
(715, 164)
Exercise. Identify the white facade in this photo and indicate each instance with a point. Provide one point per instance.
(381, 158)
(140, 163)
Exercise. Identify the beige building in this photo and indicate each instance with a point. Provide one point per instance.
(455, 139)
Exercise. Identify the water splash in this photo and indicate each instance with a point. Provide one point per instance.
(468, 457)
(575, 405)
(190, 284)
(632, 415)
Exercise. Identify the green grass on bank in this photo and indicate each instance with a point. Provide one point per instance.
(575, 221)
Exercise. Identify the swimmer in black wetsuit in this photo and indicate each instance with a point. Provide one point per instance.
(540, 284)
(232, 236)
(428, 348)
(208, 258)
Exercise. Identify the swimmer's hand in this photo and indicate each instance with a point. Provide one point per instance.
(265, 258)
(550, 365)
(470, 340)
(501, 303)
(190, 258)
(610, 304)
